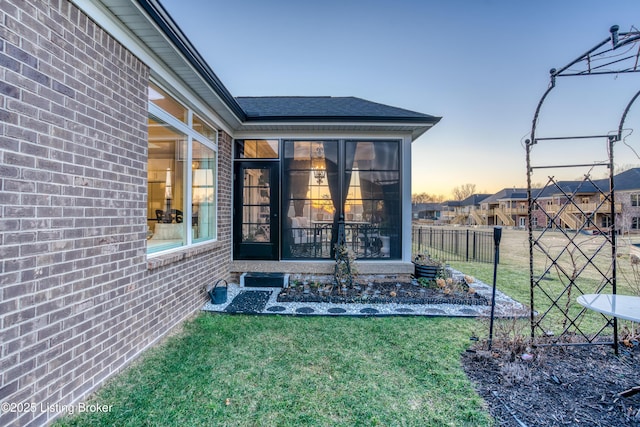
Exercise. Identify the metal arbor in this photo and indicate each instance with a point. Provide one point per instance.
(564, 260)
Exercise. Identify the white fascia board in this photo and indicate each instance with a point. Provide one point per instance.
(247, 126)
(105, 19)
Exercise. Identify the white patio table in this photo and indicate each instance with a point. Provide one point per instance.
(621, 306)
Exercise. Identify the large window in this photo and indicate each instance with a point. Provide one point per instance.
(182, 170)
(358, 181)
(635, 200)
(166, 195)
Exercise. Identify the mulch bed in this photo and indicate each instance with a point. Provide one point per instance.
(563, 385)
(376, 293)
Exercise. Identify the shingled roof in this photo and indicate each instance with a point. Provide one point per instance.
(571, 187)
(628, 180)
(506, 193)
(326, 108)
(474, 199)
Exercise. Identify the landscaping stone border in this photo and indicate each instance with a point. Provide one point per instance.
(505, 306)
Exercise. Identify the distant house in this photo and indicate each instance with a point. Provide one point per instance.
(627, 186)
(552, 201)
(448, 211)
(507, 207)
(466, 213)
(132, 179)
(427, 211)
(588, 201)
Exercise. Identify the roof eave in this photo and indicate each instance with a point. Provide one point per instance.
(386, 119)
(417, 126)
(171, 29)
(415, 129)
(217, 94)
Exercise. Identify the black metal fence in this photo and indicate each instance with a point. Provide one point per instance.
(453, 244)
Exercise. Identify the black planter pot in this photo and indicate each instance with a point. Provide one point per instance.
(427, 271)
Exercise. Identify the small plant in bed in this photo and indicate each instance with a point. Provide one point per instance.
(383, 290)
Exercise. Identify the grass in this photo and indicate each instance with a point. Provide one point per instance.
(319, 371)
(513, 274)
(298, 371)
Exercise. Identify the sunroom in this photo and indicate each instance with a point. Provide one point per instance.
(307, 169)
(302, 170)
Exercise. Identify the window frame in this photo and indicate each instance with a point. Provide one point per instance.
(341, 144)
(156, 113)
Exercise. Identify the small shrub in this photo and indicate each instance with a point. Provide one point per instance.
(509, 335)
(425, 259)
(427, 283)
(346, 269)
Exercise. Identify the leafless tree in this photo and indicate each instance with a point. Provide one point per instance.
(463, 191)
(426, 198)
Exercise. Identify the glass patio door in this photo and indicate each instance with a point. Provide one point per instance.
(256, 214)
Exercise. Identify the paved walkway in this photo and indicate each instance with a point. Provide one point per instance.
(246, 300)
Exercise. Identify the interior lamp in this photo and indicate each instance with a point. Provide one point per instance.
(318, 163)
(167, 185)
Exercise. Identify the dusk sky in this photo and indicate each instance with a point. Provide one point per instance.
(482, 65)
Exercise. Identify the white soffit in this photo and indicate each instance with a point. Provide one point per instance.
(415, 130)
(158, 52)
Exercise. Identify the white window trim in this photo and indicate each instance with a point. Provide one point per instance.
(191, 135)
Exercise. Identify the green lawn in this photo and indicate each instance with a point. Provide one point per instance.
(298, 371)
(513, 277)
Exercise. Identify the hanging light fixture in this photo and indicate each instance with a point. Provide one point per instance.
(318, 163)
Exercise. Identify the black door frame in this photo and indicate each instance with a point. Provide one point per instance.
(244, 250)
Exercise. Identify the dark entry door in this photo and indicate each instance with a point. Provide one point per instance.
(256, 215)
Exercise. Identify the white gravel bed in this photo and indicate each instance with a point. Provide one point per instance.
(504, 307)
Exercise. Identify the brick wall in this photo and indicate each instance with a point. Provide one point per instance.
(78, 297)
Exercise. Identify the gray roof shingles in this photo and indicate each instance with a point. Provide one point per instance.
(505, 193)
(474, 199)
(628, 180)
(266, 108)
